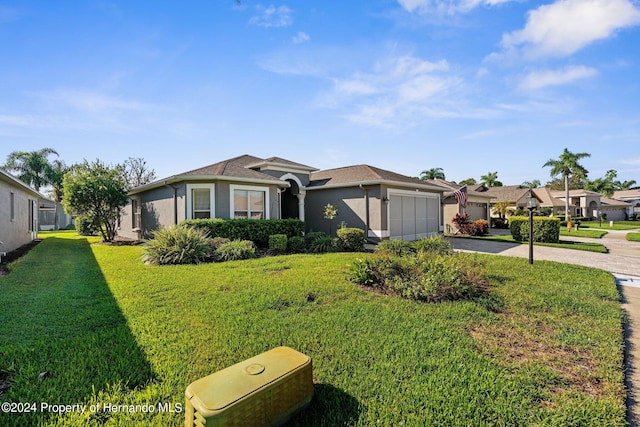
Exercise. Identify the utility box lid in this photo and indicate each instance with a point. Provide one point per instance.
(223, 388)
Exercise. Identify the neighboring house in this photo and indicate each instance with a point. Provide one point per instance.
(629, 196)
(18, 212)
(387, 204)
(478, 203)
(546, 200)
(581, 202)
(616, 210)
(51, 215)
(516, 196)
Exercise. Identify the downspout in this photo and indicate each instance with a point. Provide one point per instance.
(175, 202)
(366, 205)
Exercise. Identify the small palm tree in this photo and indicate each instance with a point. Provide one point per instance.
(532, 184)
(32, 167)
(567, 164)
(433, 173)
(490, 180)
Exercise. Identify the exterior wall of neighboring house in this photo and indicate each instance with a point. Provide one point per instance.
(18, 213)
(614, 213)
(476, 208)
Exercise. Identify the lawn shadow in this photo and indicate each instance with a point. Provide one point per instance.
(330, 406)
(64, 336)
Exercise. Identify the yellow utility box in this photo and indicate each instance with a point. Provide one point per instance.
(262, 391)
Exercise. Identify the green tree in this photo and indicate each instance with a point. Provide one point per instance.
(433, 173)
(490, 180)
(501, 208)
(605, 186)
(32, 167)
(468, 181)
(532, 184)
(136, 172)
(567, 165)
(98, 192)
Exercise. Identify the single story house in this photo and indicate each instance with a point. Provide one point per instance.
(516, 196)
(386, 204)
(18, 212)
(478, 204)
(629, 196)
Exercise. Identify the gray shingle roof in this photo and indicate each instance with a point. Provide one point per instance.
(358, 174)
(235, 167)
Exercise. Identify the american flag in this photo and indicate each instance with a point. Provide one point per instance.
(461, 196)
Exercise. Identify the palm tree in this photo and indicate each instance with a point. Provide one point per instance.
(32, 167)
(433, 173)
(567, 164)
(532, 184)
(490, 180)
(626, 185)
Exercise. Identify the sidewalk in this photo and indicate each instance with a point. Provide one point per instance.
(623, 260)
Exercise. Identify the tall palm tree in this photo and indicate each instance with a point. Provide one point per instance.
(433, 173)
(32, 167)
(532, 184)
(567, 164)
(490, 180)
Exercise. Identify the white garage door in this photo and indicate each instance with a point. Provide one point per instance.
(477, 211)
(412, 217)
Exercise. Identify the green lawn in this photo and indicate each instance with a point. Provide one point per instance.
(566, 244)
(543, 347)
(593, 234)
(633, 237)
(617, 225)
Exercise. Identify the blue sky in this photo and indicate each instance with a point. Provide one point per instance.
(470, 86)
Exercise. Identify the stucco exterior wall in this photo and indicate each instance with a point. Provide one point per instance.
(15, 232)
(351, 204)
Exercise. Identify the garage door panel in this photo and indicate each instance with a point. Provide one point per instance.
(413, 217)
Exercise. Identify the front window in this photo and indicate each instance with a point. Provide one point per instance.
(249, 202)
(200, 201)
(136, 217)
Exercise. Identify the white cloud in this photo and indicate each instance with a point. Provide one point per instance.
(301, 37)
(272, 17)
(446, 6)
(396, 92)
(543, 78)
(566, 26)
(92, 102)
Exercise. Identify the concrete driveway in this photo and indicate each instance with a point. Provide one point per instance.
(622, 259)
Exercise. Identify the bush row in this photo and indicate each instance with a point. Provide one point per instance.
(545, 229)
(347, 239)
(255, 230)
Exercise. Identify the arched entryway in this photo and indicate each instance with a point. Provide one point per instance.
(593, 209)
(292, 198)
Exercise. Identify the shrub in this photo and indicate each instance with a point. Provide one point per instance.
(477, 228)
(311, 236)
(324, 244)
(395, 248)
(461, 220)
(177, 245)
(436, 244)
(86, 226)
(278, 243)
(545, 229)
(296, 244)
(256, 230)
(351, 239)
(235, 250)
(216, 242)
(425, 277)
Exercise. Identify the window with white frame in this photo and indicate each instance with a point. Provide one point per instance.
(249, 202)
(200, 201)
(136, 214)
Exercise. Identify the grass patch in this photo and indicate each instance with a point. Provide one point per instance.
(617, 225)
(633, 237)
(543, 347)
(566, 244)
(593, 234)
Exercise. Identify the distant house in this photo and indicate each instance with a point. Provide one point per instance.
(18, 212)
(516, 196)
(384, 203)
(630, 196)
(581, 202)
(616, 210)
(478, 204)
(51, 215)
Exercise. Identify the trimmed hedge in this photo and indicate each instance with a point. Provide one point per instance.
(278, 243)
(256, 230)
(545, 229)
(351, 239)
